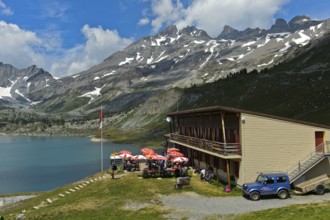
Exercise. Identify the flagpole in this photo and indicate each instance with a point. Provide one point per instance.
(101, 127)
(101, 150)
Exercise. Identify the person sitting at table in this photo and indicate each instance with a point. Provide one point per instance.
(154, 166)
(129, 166)
(184, 171)
(177, 170)
(203, 174)
(168, 171)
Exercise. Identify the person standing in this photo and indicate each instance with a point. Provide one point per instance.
(113, 168)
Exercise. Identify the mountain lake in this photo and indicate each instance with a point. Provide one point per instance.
(34, 164)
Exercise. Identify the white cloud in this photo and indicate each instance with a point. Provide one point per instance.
(99, 44)
(144, 21)
(212, 15)
(4, 10)
(55, 10)
(166, 12)
(22, 48)
(18, 46)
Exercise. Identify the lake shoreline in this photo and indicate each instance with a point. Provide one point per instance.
(39, 163)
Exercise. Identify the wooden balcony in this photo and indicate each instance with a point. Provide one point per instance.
(228, 150)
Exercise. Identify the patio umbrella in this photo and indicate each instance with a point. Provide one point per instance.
(125, 155)
(138, 157)
(172, 149)
(146, 151)
(125, 152)
(148, 156)
(179, 159)
(158, 157)
(175, 154)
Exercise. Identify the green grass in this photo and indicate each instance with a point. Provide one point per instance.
(106, 199)
(316, 211)
(131, 197)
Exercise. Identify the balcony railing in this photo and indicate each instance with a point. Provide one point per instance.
(225, 149)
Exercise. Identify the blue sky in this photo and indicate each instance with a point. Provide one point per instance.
(66, 37)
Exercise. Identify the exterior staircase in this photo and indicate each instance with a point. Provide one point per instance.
(304, 165)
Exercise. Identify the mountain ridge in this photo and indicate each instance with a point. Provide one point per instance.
(172, 58)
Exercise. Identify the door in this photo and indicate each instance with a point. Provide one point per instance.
(319, 139)
(269, 187)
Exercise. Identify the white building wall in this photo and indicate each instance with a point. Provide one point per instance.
(270, 144)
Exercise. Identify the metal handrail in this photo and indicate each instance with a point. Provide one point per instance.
(214, 146)
(319, 150)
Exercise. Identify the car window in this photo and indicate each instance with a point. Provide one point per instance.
(260, 178)
(281, 179)
(270, 180)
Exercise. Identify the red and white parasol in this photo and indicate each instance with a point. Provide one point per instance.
(180, 159)
(172, 149)
(146, 151)
(125, 152)
(158, 157)
(138, 157)
(175, 154)
(125, 155)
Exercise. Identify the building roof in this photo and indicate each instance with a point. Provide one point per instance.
(219, 108)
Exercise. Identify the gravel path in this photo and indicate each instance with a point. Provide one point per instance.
(13, 199)
(194, 206)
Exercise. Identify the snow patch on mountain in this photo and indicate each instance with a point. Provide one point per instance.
(138, 57)
(110, 73)
(150, 60)
(248, 43)
(160, 40)
(267, 39)
(287, 46)
(266, 64)
(17, 92)
(5, 92)
(214, 45)
(199, 41)
(92, 94)
(303, 40)
(128, 60)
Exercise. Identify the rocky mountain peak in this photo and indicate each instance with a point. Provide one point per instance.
(169, 31)
(194, 32)
(228, 33)
(280, 26)
(302, 22)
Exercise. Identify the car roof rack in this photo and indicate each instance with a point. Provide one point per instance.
(272, 172)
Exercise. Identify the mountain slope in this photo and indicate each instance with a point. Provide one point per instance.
(178, 58)
(17, 85)
(151, 77)
(296, 88)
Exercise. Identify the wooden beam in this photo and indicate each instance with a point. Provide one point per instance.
(225, 142)
(228, 172)
(223, 128)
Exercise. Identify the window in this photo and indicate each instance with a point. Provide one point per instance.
(281, 179)
(270, 180)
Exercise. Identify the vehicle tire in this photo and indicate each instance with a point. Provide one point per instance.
(255, 195)
(283, 194)
(319, 190)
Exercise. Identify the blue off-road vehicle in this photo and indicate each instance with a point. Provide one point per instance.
(268, 184)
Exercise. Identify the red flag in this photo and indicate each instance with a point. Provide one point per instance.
(101, 119)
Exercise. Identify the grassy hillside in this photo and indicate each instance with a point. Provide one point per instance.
(131, 197)
(125, 197)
